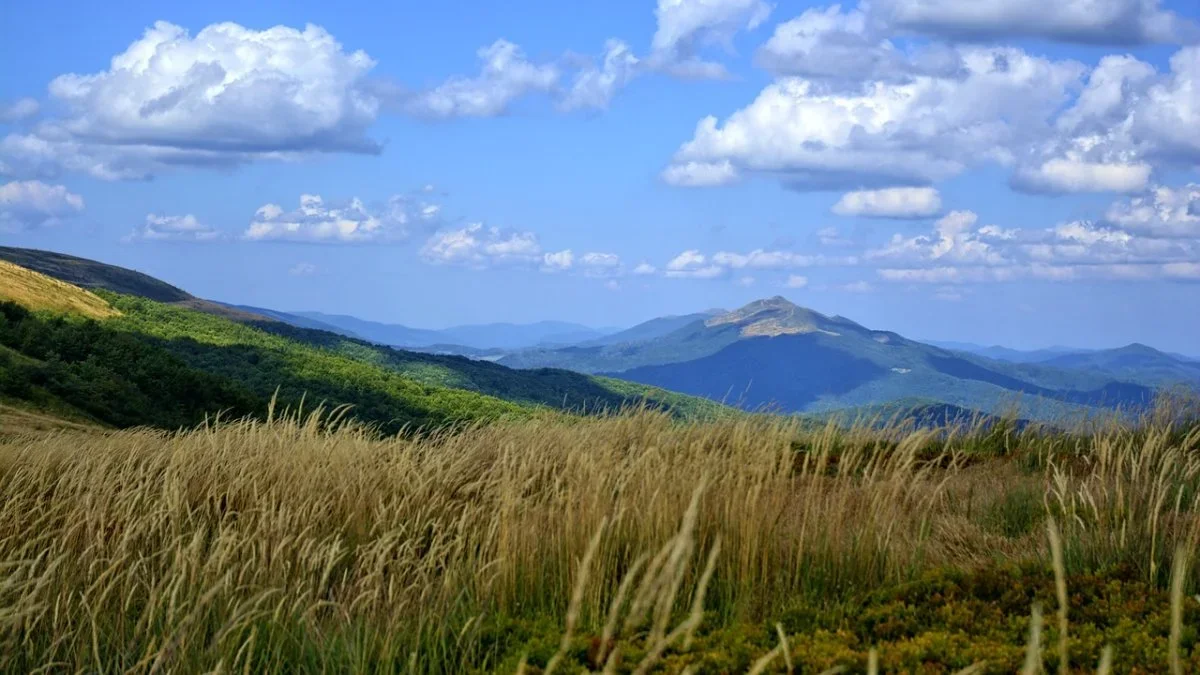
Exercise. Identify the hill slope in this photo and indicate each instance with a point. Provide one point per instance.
(38, 291)
(90, 274)
(167, 365)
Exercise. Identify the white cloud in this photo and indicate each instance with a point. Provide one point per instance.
(1123, 22)
(1164, 212)
(761, 259)
(831, 44)
(1074, 174)
(612, 285)
(226, 96)
(302, 269)
(175, 228)
(955, 237)
(558, 261)
(478, 246)
(746, 281)
(607, 260)
(700, 174)
(18, 110)
(796, 281)
(600, 264)
(506, 75)
(694, 265)
(684, 26)
(29, 204)
(644, 269)
(1076, 250)
(594, 87)
(1128, 121)
(890, 203)
(350, 222)
(921, 130)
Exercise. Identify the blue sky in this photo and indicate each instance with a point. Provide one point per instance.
(1001, 171)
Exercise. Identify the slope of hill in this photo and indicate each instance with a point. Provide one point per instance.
(167, 365)
(90, 274)
(38, 291)
(772, 354)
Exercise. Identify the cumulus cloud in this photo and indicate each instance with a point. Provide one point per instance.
(558, 261)
(685, 26)
(916, 131)
(349, 222)
(827, 43)
(600, 264)
(644, 269)
(692, 264)
(1164, 212)
(479, 246)
(1120, 22)
(20, 109)
(228, 95)
(796, 281)
(960, 252)
(1127, 121)
(955, 237)
(890, 203)
(29, 204)
(506, 75)
(175, 228)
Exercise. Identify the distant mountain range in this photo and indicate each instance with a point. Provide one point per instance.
(503, 336)
(773, 354)
(769, 355)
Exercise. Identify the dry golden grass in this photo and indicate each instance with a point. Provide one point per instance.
(286, 546)
(38, 291)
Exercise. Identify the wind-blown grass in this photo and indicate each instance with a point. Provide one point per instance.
(632, 543)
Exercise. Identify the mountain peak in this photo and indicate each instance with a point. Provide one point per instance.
(774, 316)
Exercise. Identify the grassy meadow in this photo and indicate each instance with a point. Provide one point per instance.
(632, 543)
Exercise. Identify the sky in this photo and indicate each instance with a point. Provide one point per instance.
(1011, 172)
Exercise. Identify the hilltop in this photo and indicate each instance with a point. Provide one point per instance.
(90, 274)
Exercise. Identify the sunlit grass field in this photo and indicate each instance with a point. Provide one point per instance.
(633, 543)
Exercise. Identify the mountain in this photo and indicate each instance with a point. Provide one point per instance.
(773, 354)
(1006, 353)
(124, 360)
(381, 333)
(649, 330)
(502, 336)
(1134, 361)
